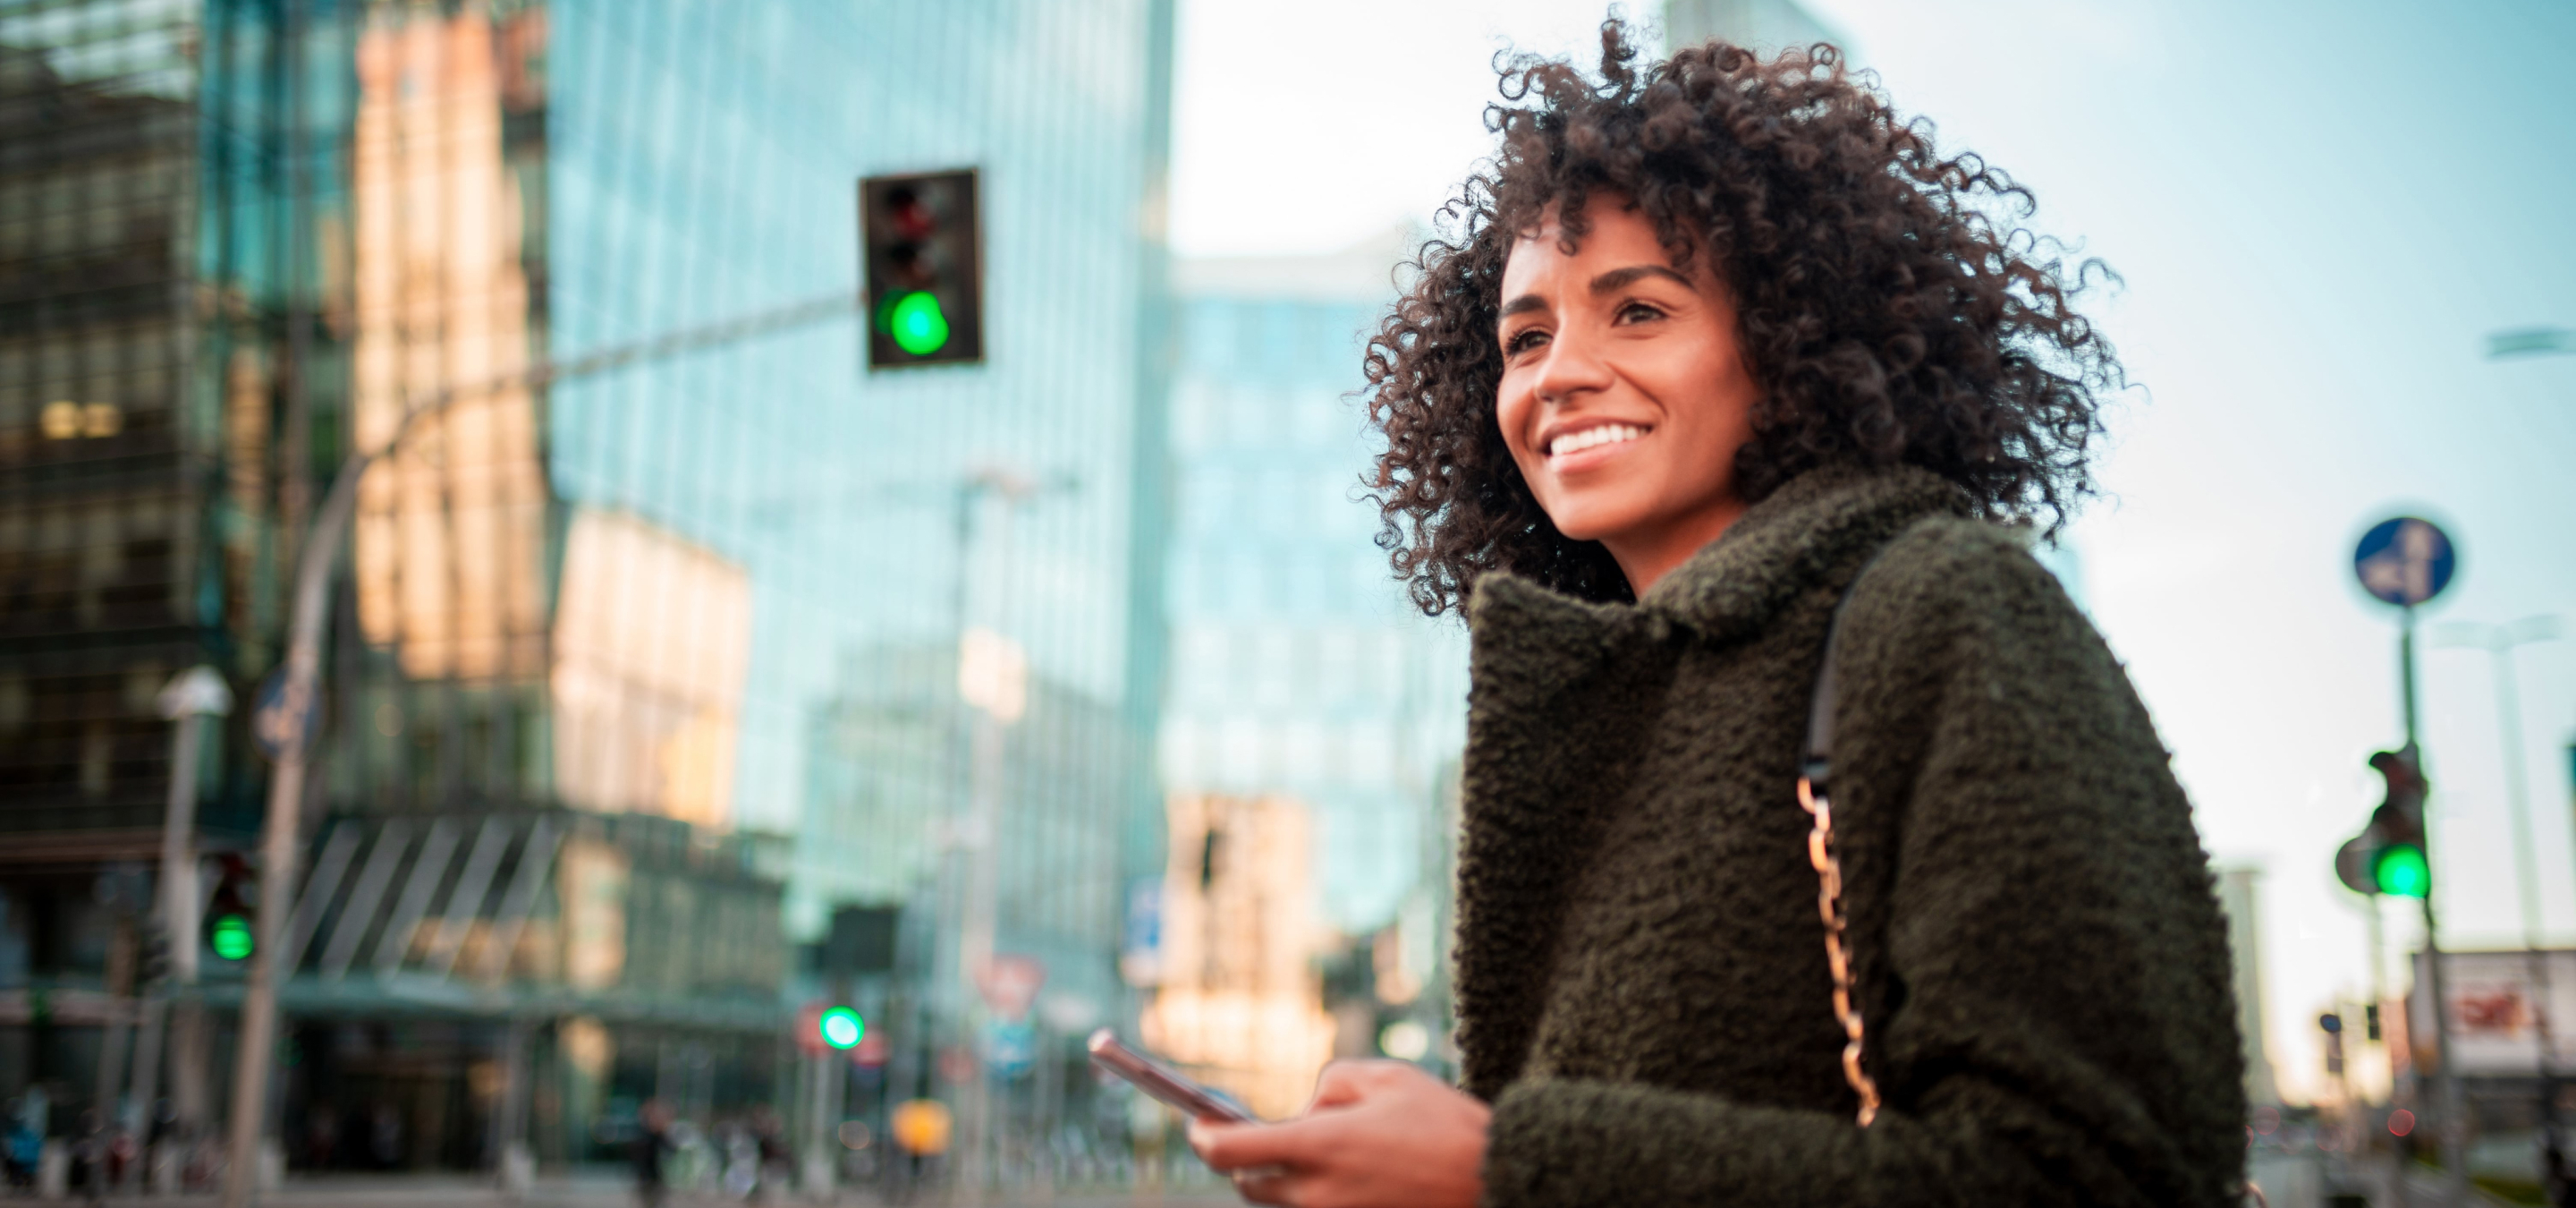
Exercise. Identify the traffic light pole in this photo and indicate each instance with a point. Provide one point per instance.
(2453, 1134)
(2406, 667)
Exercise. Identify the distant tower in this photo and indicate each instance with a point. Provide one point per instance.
(1765, 26)
(2237, 898)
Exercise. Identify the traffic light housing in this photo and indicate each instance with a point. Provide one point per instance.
(921, 236)
(2389, 856)
(232, 912)
(860, 941)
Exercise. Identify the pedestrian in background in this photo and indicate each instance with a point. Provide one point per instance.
(1815, 849)
(652, 1148)
(25, 1148)
(89, 1154)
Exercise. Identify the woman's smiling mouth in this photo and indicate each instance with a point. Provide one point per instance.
(1593, 437)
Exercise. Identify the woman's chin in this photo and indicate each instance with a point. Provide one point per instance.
(1593, 522)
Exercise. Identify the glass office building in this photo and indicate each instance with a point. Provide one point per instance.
(143, 323)
(1298, 665)
(638, 671)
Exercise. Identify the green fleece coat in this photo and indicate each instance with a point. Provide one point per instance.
(1641, 980)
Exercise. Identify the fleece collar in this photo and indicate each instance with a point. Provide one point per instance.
(1816, 527)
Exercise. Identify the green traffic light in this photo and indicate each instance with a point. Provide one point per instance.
(231, 937)
(842, 1027)
(917, 325)
(2401, 871)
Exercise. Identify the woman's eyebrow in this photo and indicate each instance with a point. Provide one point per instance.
(1621, 278)
(1610, 282)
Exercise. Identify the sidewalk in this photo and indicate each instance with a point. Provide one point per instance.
(590, 1191)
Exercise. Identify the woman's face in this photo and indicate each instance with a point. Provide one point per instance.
(1624, 397)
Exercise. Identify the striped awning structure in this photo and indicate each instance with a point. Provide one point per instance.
(459, 915)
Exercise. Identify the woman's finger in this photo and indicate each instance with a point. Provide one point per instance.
(1339, 1084)
(1232, 1147)
(1349, 1081)
(1266, 1185)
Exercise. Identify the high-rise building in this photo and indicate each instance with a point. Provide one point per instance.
(2239, 897)
(1299, 668)
(144, 324)
(1764, 26)
(639, 665)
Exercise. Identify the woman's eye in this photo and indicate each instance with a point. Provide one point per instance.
(1639, 312)
(1523, 340)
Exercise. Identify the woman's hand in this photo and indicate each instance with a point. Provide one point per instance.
(1380, 1134)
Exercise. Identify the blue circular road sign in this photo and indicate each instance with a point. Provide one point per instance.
(2404, 561)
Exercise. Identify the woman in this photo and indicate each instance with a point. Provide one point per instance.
(1730, 366)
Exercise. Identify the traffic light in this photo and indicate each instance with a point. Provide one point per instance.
(841, 1027)
(861, 940)
(2388, 856)
(232, 915)
(922, 238)
(827, 1027)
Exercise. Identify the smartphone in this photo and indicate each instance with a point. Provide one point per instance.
(1163, 1082)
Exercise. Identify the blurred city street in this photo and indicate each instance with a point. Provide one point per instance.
(613, 589)
(611, 1190)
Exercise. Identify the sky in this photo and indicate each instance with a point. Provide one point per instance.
(2320, 212)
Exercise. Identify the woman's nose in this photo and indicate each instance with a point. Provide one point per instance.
(1573, 367)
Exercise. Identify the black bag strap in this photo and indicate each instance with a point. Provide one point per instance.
(1815, 775)
(1818, 764)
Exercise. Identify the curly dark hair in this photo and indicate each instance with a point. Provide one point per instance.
(1892, 305)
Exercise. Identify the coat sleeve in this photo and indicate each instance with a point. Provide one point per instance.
(2050, 1019)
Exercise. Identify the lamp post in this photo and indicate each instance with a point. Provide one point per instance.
(993, 682)
(287, 722)
(2499, 642)
(191, 697)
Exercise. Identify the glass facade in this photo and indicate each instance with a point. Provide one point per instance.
(130, 543)
(703, 163)
(1298, 666)
(637, 675)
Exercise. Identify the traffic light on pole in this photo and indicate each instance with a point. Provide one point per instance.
(2389, 855)
(841, 1027)
(232, 914)
(828, 1027)
(922, 239)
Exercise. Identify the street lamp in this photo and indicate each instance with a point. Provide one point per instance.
(2499, 642)
(192, 696)
(993, 682)
(289, 714)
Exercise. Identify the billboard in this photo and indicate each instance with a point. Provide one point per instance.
(2501, 1005)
